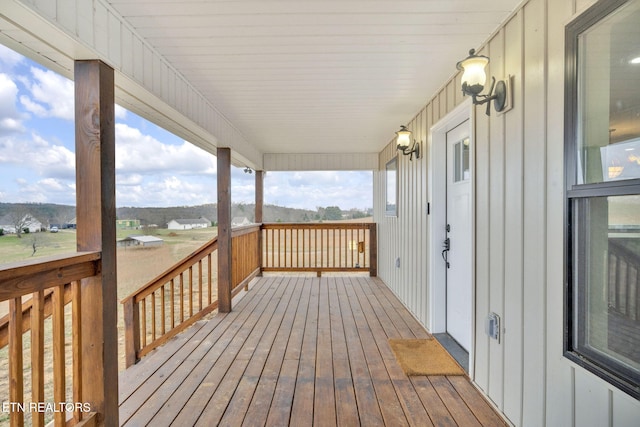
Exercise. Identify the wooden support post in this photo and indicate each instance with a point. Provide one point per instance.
(96, 231)
(224, 230)
(259, 213)
(131, 311)
(259, 196)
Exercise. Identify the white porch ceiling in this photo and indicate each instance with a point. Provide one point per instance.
(315, 76)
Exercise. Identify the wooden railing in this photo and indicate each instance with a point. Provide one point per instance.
(319, 247)
(185, 293)
(623, 300)
(49, 283)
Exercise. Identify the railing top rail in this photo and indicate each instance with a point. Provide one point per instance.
(245, 229)
(320, 225)
(37, 265)
(23, 277)
(173, 271)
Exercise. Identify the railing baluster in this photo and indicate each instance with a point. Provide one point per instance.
(16, 378)
(291, 245)
(209, 279)
(173, 304)
(333, 247)
(299, 250)
(76, 337)
(308, 245)
(352, 247)
(340, 233)
(273, 264)
(200, 285)
(321, 249)
(59, 377)
(143, 321)
(285, 246)
(190, 291)
(181, 297)
(37, 356)
(163, 310)
(153, 316)
(279, 246)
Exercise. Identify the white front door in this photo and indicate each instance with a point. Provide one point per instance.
(458, 232)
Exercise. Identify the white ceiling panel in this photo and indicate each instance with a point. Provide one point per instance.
(315, 76)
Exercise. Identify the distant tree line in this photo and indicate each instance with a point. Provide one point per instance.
(150, 217)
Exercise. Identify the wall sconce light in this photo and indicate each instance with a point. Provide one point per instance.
(474, 78)
(403, 140)
(248, 170)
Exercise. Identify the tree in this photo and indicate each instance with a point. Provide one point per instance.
(20, 219)
(36, 241)
(332, 213)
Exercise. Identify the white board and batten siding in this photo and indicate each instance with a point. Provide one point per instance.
(65, 30)
(519, 200)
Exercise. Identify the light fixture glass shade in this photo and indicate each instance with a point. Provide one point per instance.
(473, 76)
(403, 137)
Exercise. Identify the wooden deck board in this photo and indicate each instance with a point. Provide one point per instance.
(297, 351)
(168, 377)
(346, 407)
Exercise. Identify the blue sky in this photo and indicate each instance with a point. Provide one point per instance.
(153, 166)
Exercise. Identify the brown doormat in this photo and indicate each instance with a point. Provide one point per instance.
(424, 357)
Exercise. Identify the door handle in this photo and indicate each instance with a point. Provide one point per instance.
(445, 251)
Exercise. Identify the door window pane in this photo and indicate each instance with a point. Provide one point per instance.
(461, 161)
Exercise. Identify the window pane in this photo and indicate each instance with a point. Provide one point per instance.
(392, 186)
(609, 100)
(608, 302)
(461, 161)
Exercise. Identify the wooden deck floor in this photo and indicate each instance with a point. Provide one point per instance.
(297, 351)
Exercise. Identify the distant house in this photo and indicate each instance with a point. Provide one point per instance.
(127, 224)
(7, 224)
(145, 241)
(188, 224)
(239, 221)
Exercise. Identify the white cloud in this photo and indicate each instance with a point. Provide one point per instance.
(167, 191)
(10, 118)
(46, 159)
(47, 190)
(143, 154)
(129, 179)
(149, 171)
(9, 57)
(313, 189)
(52, 184)
(120, 112)
(51, 95)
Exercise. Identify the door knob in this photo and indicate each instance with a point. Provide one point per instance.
(445, 251)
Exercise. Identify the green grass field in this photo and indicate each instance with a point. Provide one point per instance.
(13, 248)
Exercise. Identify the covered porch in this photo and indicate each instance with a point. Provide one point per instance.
(300, 351)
